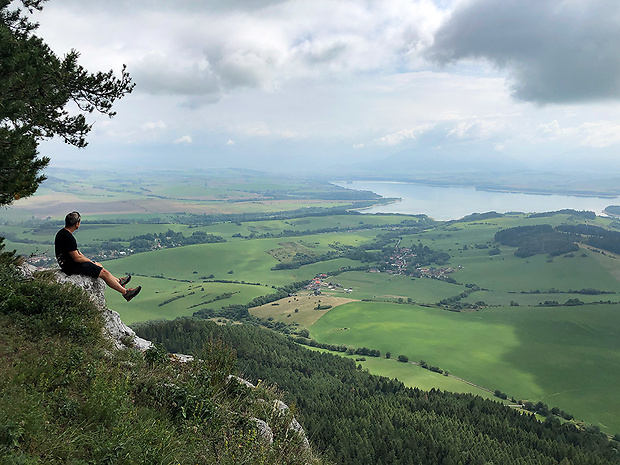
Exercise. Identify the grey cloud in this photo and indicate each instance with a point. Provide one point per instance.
(553, 51)
(326, 55)
(157, 75)
(208, 73)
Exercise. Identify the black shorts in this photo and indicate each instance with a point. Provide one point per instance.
(85, 268)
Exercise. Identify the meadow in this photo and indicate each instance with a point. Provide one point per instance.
(163, 299)
(564, 357)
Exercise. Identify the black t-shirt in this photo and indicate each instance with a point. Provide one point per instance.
(65, 243)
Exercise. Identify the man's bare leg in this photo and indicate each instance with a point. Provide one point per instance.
(111, 281)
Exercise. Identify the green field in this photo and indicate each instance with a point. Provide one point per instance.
(248, 260)
(189, 298)
(566, 357)
(384, 286)
(415, 376)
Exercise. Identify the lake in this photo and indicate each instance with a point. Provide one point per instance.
(449, 203)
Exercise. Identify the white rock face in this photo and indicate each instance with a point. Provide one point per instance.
(264, 430)
(281, 407)
(121, 335)
(294, 425)
(95, 287)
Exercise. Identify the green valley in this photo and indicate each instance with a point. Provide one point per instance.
(539, 328)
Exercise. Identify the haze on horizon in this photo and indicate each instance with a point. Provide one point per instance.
(307, 85)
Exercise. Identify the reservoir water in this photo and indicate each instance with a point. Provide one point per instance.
(449, 203)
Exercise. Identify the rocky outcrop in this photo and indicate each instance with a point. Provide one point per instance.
(282, 409)
(121, 335)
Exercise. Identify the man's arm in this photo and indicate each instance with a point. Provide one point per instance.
(77, 257)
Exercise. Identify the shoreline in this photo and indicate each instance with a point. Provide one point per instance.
(501, 190)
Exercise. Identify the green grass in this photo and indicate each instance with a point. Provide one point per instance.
(505, 272)
(412, 375)
(248, 260)
(566, 357)
(188, 298)
(68, 398)
(384, 286)
(505, 298)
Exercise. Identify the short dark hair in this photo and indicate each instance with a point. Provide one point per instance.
(72, 219)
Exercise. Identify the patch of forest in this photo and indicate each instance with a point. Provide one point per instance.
(534, 240)
(544, 239)
(354, 417)
(595, 236)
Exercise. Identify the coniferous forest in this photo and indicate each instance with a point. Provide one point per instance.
(354, 417)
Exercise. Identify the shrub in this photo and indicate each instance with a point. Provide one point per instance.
(46, 309)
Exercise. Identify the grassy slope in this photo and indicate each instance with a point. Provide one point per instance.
(562, 356)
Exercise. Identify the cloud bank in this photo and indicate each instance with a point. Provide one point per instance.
(553, 51)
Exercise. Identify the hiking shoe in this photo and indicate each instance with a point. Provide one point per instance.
(125, 280)
(131, 293)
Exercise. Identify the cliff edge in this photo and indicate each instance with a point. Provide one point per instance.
(121, 335)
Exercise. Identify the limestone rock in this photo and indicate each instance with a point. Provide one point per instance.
(241, 380)
(280, 407)
(294, 424)
(181, 358)
(95, 287)
(264, 430)
(121, 335)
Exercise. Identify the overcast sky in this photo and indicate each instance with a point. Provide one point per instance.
(309, 82)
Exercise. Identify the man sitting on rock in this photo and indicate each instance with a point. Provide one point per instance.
(72, 261)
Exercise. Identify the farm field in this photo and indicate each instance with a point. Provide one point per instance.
(384, 286)
(101, 194)
(303, 309)
(505, 272)
(412, 375)
(248, 260)
(166, 299)
(565, 357)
